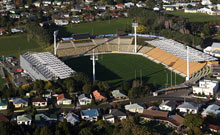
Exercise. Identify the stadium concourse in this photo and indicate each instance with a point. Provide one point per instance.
(168, 52)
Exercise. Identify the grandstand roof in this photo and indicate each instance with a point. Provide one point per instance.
(179, 50)
(48, 65)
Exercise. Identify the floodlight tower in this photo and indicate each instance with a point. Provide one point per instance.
(93, 58)
(187, 62)
(55, 41)
(135, 25)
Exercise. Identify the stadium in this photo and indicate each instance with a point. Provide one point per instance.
(171, 54)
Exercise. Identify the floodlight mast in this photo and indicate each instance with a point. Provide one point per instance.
(55, 42)
(93, 58)
(187, 60)
(135, 25)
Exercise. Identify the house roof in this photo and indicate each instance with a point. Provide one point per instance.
(24, 117)
(90, 113)
(215, 127)
(98, 96)
(45, 117)
(212, 109)
(189, 105)
(60, 97)
(108, 116)
(118, 93)
(3, 118)
(133, 106)
(116, 112)
(215, 45)
(154, 113)
(72, 118)
(84, 96)
(38, 99)
(19, 101)
(169, 103)
(178, 120)
(3, 102)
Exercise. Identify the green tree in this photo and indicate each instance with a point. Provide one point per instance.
(193, 122)
(86, 131)
(87, 88)
(45, 131)
(150, 4)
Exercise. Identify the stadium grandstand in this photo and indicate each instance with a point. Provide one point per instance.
(174, 55)
(168, 52)
(44, 66)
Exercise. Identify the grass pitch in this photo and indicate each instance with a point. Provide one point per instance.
(196, 17)
(16, 44)
(116, 68)
(100, 27)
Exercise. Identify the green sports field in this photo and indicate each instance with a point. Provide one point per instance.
(17, 44)
(100, 27)
(116, 68)
(195, 17)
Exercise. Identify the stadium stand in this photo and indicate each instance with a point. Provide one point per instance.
(168, 52)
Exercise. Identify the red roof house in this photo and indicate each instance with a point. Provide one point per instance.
(98, 96)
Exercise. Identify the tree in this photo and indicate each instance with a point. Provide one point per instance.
(189, 6)
(87, 88)
(86, 131)
(193, 122)
(45, 131)
(10, 109)
(48, 85)
(141, 29)
(150, 4)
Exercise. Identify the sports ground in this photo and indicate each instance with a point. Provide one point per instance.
(115, 68)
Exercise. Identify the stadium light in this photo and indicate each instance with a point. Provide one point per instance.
(135, 25)
(55, 33)
(187, 61)
(93, 58)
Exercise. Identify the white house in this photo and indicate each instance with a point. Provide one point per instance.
(141, 4)
(207, 87)
(206, 2)
(39, 102)
(189, 107)
(213, 50)
(114, 115)
(190, 10)
(167, 105)
(129, 4)
(3, 104)
(211, 109)
(37, 4)
(24, 119)
(61, 22)
(62, 100)
(85, 99)
(134, 108)
(72, 118)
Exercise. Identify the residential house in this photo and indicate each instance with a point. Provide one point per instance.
(153, 114)
(207, 87)
(39, 102)
(3, 104)
(114, 114)
(44, 119)
(98, 96)
(206, 2)
(168, 105)
(63, 100)
(129, 4)
(37, 4)
(120, 6)
(169, 7)
(90, 114)
(85, 99)
(140, 4)
(189, 107)
(88, 1)
(206, 11)
(3, 118)
(14, 16)
(16, 30)
(76, 20)
(134, 108)
(61, 22)
(190, 10)
(3, 31)
(24, 119)
(119, 94)
(72, 118)
(214, 109)
(19, 102)
(214, 128)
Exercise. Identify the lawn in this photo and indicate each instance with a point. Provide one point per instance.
(16, 44)
(195, 17)
(115, 68)
(100, 27)
(2, 82)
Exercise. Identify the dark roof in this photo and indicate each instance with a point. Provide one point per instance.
(154, 114)
(178, 120)
(3, 118)
(81, 36)
(116, 112)
(169, 103)
(38, 99)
